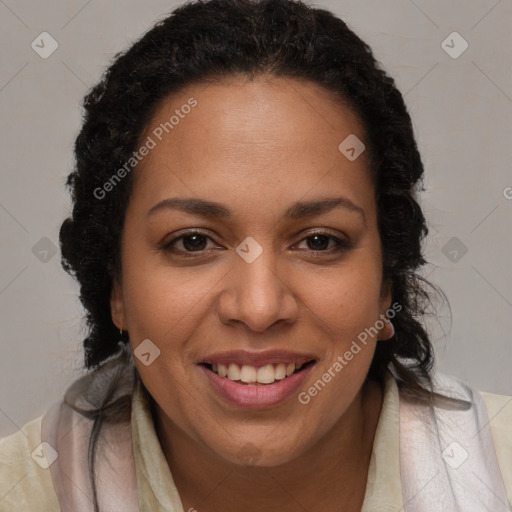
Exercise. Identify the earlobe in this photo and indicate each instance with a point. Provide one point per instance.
(116, 305)
(388, 329)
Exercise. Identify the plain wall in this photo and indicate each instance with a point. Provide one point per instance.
(461, 109)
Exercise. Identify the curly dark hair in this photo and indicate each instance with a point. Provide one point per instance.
(207, 40)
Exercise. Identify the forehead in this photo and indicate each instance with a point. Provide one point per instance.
(267, 137)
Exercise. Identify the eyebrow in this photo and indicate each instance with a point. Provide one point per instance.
(298, 210)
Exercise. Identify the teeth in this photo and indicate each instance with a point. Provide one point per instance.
(233, 372)
(248, 374)
(280, 371)
(264, 375)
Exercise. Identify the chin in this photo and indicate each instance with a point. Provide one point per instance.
(252, 454)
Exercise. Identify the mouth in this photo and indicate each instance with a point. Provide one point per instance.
(261, 375)
(246, 386)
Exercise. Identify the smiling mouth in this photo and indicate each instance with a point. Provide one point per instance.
(257, 376)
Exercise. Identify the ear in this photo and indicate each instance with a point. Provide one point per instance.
(385, 303)
(386, 295)
(117, 305)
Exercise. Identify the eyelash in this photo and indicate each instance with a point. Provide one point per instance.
(167, 247)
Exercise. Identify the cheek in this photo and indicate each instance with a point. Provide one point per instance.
(346, 299)
(161, 300)
(161, 305)
(345, 309)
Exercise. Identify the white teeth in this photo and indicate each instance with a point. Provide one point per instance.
(233, 372)
(266, 374)
(280, 371)
(249, 374)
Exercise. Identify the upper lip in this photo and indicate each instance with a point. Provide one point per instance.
(257, 358)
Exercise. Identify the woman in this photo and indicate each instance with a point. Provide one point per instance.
(245, 220)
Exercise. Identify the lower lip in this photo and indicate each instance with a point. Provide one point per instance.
(254, 397)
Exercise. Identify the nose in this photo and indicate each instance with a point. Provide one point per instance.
(255, 294)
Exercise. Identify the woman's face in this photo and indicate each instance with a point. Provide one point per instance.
(287, 260)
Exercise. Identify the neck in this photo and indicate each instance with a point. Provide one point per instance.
(331, 475)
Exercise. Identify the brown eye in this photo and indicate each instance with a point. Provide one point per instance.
(184, 245)
(194, 242)
(318, 243)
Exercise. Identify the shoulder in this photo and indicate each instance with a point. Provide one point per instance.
(499, 415)
(499, 411)
(25, 483)
(499, 420)
(475, 416)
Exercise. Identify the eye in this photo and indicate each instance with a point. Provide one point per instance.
(191, 242)
(318, 242)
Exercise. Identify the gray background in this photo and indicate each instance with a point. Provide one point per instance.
(461, 108)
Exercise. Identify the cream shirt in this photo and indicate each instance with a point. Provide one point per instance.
(25, 486)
